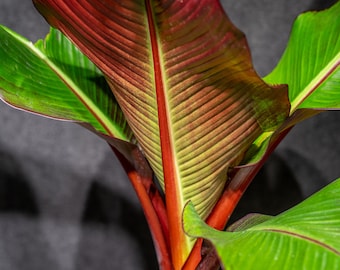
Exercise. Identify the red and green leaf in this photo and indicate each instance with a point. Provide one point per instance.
(310, 67)
(182, 75)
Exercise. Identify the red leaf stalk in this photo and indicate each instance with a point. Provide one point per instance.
(140, 176)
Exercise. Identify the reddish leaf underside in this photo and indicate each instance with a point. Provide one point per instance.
(182, 75)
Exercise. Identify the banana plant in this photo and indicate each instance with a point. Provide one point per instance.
(171, 87)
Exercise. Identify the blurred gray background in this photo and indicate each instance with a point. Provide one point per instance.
(66, 204)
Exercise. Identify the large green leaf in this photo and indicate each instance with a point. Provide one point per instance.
(311, 63)
(304, 237)
(53, 78)
(310, 68)
(183, 77)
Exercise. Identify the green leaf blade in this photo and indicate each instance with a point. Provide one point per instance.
(310, 64)
(327, 93)
(304, 237)
(51, 79)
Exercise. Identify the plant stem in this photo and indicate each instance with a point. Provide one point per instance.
(194, 257)
(240, 180)
(140, 176)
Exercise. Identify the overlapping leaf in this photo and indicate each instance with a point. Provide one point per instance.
(182, 75)
(53, 78)
(304, 237)
(311, 63)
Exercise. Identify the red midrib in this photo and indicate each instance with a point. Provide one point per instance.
(171, 189)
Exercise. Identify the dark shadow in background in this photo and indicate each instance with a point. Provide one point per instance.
(23, 244)
(16, 195)
(105, 207)
(322, 4)
(311, 179)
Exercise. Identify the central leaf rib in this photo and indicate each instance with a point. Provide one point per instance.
(171, 179)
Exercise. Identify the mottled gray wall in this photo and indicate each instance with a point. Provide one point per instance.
(65, 203)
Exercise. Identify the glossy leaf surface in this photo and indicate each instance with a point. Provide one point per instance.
(54, 79)
(183, 77)
(304, 237)
(311, 63)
